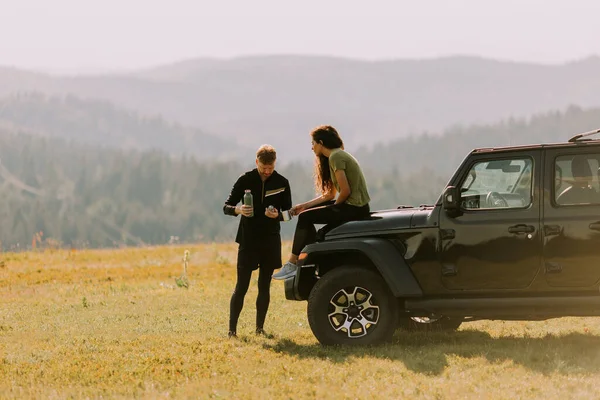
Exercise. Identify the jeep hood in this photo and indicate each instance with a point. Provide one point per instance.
(381, 222)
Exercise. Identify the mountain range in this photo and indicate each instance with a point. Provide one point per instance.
(236, 104)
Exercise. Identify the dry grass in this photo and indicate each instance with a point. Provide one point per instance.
(114, 324)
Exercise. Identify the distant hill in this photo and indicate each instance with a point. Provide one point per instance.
(278, 99)
(443, 153)
(102, 123)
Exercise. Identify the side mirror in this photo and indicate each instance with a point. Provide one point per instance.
(451, 199)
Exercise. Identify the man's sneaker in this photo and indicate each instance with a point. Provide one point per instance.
(286, 271)
(231, 334)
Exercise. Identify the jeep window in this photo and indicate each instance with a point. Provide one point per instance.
(576, 179)
(505, 183)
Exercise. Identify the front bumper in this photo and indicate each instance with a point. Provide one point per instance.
(298, 286)
(289, 286)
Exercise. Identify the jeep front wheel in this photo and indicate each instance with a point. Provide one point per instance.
(352, 305)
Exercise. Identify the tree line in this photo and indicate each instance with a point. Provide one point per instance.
(59, 192)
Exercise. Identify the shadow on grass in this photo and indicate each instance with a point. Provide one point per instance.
(428, 353)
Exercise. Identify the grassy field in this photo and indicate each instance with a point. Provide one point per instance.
(114, 324)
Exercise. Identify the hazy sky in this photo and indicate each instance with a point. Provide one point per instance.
(72, 35)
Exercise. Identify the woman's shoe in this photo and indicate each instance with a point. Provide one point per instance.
(286, 271)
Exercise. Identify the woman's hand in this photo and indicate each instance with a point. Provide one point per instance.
(297, 209)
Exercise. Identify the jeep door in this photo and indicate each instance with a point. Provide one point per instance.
(572, 217)
(494, 242)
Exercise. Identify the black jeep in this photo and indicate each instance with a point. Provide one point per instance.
(514, 236)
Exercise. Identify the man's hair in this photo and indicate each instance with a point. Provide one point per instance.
(266, 154)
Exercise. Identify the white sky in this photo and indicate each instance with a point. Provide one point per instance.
(93, 35)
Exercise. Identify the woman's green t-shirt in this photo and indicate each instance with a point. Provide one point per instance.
(341, 160)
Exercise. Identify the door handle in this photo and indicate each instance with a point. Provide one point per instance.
(521, 228)
(595, 226)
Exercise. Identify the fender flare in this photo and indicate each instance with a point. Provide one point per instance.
(384, 256)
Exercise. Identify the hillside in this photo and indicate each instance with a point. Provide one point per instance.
(278, 99)
(443, 152)
(83, 195)
(97, 122)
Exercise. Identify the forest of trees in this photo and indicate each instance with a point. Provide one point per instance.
(85, 196)
(61, 192)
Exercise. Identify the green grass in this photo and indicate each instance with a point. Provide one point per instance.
(115, 324)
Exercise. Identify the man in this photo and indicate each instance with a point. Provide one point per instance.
(258, 233)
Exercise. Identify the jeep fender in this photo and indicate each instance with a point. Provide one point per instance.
(384, 256)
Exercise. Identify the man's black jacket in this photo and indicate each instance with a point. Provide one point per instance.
(274, 191)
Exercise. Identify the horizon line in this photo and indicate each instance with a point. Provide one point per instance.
(120, 70)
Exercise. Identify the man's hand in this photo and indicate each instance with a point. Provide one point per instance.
(244, 210)
(272, 214)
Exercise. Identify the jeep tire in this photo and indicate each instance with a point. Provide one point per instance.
(352, 305)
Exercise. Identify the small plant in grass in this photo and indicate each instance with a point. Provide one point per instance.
(182, 281)
(37, 239)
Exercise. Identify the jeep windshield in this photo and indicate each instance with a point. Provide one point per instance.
(498, 184)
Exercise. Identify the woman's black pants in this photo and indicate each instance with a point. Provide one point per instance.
(332, 215)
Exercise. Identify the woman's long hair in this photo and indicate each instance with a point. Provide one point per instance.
(327, 136)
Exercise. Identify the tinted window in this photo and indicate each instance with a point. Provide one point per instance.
(576, 179)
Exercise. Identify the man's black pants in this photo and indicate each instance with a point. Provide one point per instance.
(266, 258)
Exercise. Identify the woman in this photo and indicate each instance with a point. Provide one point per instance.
(336, 172)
